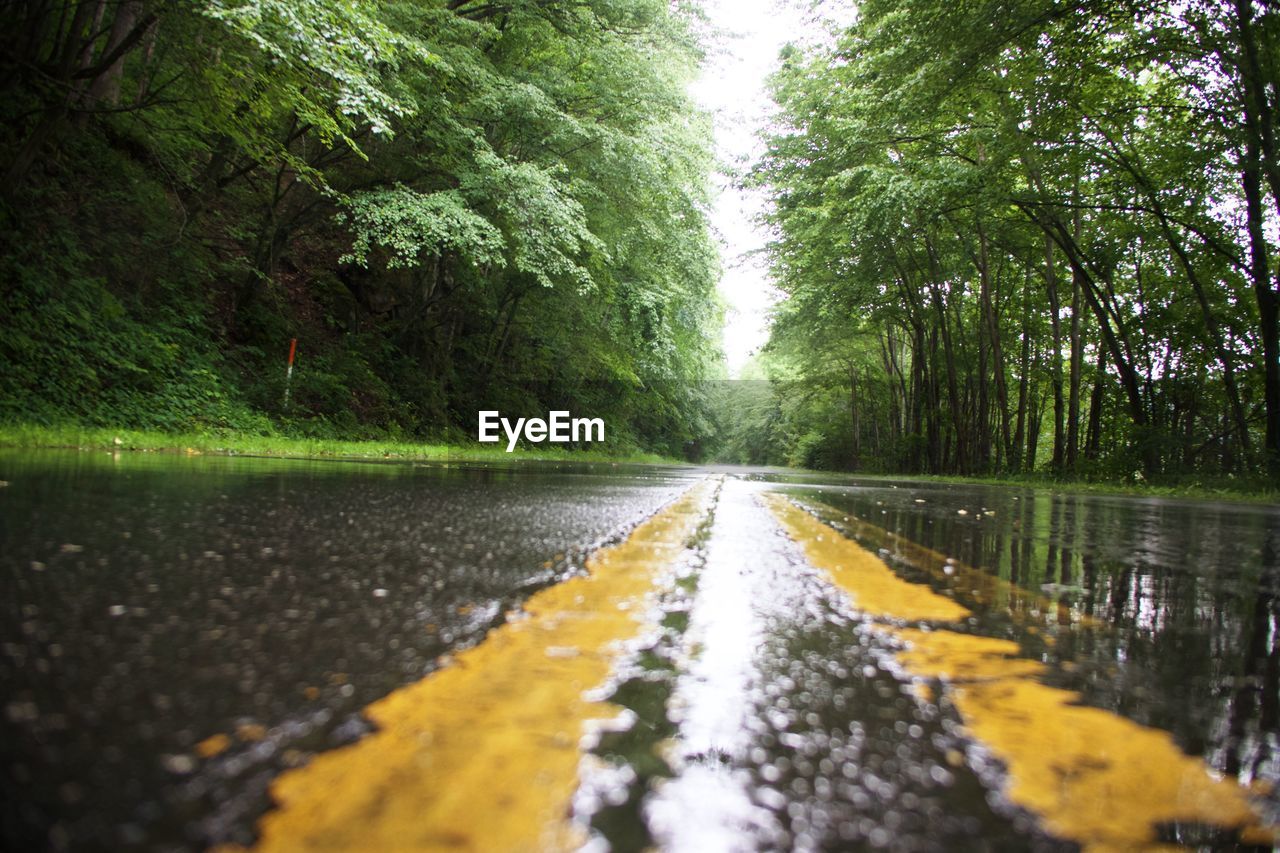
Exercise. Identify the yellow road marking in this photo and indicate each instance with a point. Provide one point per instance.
(483, 754)
(983, 586)
(212, 745)
(1094, 777)
(873, 585)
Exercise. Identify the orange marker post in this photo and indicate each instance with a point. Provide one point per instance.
(288, 375)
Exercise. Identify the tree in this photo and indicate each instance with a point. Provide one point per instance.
(939, 159)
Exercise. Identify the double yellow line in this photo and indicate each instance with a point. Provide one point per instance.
(483, 754)
(1092, 776)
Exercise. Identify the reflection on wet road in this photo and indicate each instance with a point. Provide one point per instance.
(548, 656)
(1107, 784)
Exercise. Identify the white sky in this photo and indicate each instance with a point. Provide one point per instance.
(732, 87)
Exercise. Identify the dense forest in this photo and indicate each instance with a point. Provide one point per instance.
(1026, 235)
(451, 205)
(1011, 236)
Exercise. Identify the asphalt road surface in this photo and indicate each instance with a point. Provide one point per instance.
(204, 652)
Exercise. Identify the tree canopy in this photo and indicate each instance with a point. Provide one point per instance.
(452, 205)
(1031, 234)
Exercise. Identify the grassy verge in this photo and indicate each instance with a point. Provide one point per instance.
(91, 438)
(1247, 490)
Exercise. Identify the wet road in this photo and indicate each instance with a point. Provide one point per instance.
(195, 651)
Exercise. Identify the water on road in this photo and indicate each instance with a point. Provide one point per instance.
(216, 651)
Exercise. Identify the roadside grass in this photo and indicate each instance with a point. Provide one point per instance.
(1253, 490)
(1245, 489)
(34, 436)
(231, 443)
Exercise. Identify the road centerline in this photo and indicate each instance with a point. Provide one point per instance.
(1092, 776)
(483, 754)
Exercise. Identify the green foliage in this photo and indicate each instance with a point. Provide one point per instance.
(447, 205)
(75, 347)
(410, 226)
(1018, 236)
(214, 441)
(328, 65)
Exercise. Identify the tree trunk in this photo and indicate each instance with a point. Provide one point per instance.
(1024, 370)
(1055, 360)
(1261, 160)
(148, 56)
(992, 330)
(1117, 342)
(1268, 306)
(1077, 357)
(1093, 438)
(959, 463)
(1034, 418)
(106, 87)
(853, 413)
(86, 55)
